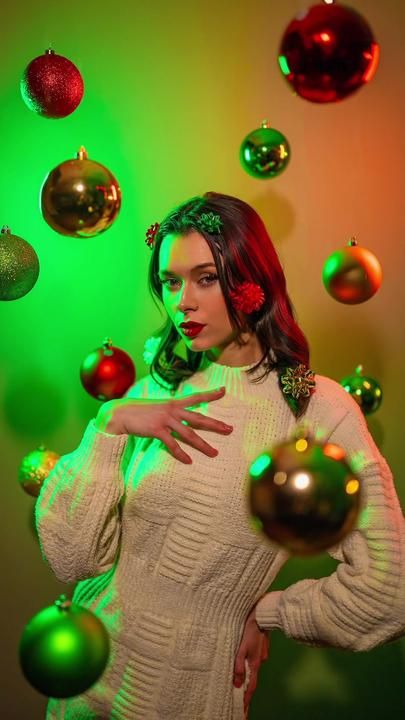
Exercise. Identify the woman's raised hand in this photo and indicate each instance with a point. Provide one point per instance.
(158, 418)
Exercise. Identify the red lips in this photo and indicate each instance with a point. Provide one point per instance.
(191, 325)
(191, 330)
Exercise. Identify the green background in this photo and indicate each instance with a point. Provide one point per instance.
(171, 89)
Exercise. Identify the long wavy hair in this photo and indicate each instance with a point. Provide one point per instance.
(242, 251)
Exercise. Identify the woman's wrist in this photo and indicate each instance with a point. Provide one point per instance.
(106, 421)
(267, 609)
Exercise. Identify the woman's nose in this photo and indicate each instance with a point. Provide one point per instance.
(187, 299)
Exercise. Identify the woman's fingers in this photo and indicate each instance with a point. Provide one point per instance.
(252, 683)
(239, 669)
(265, 647)
(202, 422)
(192, 438)
(175, 448)
(197, 398)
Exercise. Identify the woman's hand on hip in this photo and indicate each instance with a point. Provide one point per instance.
(253, 649)
(159, 418)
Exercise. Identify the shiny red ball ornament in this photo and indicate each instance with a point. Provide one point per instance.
(108, 372)
(304, 495)
(328, 52)
(64, 649)
(352, 275)
(52, 85)
(364, 389)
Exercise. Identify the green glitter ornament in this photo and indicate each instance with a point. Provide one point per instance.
(19, 266)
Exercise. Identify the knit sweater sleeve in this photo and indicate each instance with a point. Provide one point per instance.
(77, 512)
(362, 604)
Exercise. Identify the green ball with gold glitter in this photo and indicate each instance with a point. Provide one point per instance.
(35, 468)
(19, 266)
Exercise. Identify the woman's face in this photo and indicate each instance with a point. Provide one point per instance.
(193, 293)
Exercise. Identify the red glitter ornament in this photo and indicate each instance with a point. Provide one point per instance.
(247, 297)
(108, 372)
(328, 52)
(52, 85)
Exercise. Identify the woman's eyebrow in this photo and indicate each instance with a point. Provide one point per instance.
(196, 267)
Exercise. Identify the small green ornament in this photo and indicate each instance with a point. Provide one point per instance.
(265, 152)
(364, 389)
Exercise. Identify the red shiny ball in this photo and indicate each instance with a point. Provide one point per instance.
(107, 373)
(328, 52)
(52, 85)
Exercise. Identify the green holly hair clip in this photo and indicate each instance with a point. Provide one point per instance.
(211, 222)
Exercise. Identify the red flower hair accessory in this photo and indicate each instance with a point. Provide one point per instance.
(151, 234)
(247, 297)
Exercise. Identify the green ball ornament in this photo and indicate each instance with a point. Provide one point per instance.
(303, 495)
(265, 152)
(64, 649)
(19, 266)
(364, 389)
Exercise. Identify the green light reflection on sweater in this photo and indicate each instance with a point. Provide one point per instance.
(260, 465)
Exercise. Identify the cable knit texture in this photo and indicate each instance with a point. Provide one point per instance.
(164, 554)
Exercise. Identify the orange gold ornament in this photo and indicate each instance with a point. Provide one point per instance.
(352, 275)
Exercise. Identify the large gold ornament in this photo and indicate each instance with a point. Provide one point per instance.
(304, 495)
(35, 468)
(80, 197)
(19, 266)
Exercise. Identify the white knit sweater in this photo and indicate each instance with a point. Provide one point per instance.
(165, 555)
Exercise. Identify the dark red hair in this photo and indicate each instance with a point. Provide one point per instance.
(243, 251)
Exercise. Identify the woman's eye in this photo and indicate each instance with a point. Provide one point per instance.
(205, 280)
(208, 279)
(169, 282)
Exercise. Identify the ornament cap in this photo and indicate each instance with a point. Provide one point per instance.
(49, 51)
(359, 369)
(352, 242)
(265, 124)
(62, 603)
(5, 230)
(107, 347)
(82, 153)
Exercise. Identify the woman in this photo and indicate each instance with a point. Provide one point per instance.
(150, 516)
